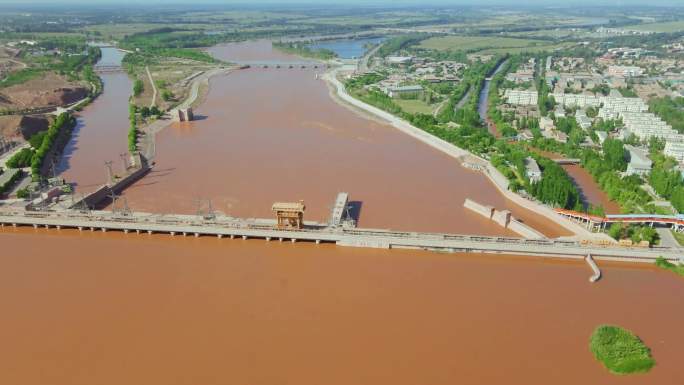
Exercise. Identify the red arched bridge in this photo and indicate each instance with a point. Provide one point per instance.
(598, 222)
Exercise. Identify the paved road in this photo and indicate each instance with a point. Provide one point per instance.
(666, 237)
(363, 63)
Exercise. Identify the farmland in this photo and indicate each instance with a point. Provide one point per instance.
(473, 43)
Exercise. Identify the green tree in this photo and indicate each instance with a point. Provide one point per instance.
(614, 154)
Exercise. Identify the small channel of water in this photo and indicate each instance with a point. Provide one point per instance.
(101, 131)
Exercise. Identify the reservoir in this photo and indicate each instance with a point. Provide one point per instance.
(347, 48)
(113, 308)
(267, 135)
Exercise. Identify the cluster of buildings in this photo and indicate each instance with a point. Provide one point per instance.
(524, 74)
(603, 31)
(625, 53)
(407, 72)
(548, 130)
(577, 81)
(625, 71)
(610, 103)
(564, 63)
(437, 72)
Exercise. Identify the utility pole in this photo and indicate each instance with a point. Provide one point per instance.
(110, 173)
(125, 210)
(124, 161)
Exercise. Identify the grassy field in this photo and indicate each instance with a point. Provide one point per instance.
(620, 351)
(679, 237)
(672, 26)
(414, 106)
(471, 43)
(528, 49)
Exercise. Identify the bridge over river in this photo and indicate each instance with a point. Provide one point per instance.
(283, 64)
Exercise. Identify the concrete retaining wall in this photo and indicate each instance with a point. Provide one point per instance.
(524, 230)
(504, 219)
(485, 211)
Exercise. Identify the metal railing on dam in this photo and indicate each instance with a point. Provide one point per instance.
(224, 226)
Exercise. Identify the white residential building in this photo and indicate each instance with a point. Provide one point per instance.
(646, 125)
(583, 120)
(399, 60)
(675, 150)
(639, 163)
(521, 98)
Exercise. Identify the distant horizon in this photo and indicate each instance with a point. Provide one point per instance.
(338, 3)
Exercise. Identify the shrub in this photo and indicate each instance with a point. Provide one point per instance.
(620, 351)
(138, 87)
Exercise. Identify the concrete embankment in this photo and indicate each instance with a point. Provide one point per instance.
(594, 268)
(95, 199)
(490, 171)
(504, 219)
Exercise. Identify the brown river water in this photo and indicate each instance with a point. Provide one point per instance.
(109, 308)
(94, 308)
(267, 135)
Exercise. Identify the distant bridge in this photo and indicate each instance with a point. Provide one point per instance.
(596, 221)
(285, 64)
(107, 69)
(562, 161)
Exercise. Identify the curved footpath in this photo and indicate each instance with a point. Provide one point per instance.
(498, 179)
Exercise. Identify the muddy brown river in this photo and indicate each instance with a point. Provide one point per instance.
(267, 135)
(113, 308)
(94, 308)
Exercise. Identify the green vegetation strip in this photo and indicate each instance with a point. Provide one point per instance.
(8, 178)
(665, 264)
(620, 351)
(63, 122)
(133, 130)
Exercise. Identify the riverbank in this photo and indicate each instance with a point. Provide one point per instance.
(501, 183)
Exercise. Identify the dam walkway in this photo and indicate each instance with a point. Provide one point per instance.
(224, 226)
